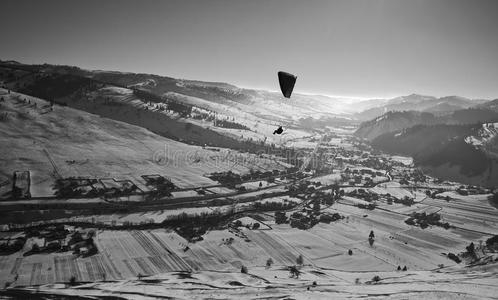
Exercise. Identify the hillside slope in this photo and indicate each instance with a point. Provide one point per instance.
(62, 142)
(182, 109)
(445, 151)
(395, 121)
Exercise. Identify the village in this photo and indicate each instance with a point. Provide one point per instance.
(344, 193)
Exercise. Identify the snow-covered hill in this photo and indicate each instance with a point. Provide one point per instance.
(485, 136)
(43, 139)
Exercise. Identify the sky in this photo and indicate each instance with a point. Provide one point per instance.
(349, 48)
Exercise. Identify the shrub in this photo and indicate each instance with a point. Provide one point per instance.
(492, 242)
(294, 271)
(72, 280)
(471, 250)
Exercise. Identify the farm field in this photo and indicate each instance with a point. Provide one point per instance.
(125, 254)
(392, 188)
(478, 216)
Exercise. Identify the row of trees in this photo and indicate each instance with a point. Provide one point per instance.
(303, 220)
(293, 270)
(230, 124)
(182, 109)
(81, 187)
(274, 205)
(230, 178)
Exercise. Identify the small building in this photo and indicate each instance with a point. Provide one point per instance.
(69, 228)
(21, 185)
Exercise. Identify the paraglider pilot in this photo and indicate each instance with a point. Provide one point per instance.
(287, 82)
(279, 130)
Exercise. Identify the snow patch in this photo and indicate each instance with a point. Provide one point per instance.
(487, 132)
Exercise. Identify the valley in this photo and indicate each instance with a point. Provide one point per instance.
(139, 186)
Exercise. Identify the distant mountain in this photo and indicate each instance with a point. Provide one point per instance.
(363, 105)
(472, 116)
(13, 62)
(395, 121)
(260, 102)
(454, 152)
(442, 108)
(420, 103)
(492, 105)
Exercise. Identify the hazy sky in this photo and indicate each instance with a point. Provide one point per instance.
(349, 48)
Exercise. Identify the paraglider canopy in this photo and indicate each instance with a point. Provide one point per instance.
(287, 82)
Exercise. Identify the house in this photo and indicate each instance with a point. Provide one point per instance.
(84, 250)
(69, 228)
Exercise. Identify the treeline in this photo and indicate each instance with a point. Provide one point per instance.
(273, 205)
(192, 227)
(53, 86)
(214, 93)
(306, 221)
(423, 220)
(230, 124)
(230, 178)
(183, 110)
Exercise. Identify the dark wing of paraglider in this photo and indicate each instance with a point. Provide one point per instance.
(287, 82)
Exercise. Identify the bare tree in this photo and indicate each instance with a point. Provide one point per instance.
(269, 262)
(300, 260)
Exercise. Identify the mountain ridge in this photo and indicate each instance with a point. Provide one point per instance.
(359, 109)
(394, 121)
(442, 105)
(447, 151)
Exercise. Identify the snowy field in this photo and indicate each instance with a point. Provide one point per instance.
(67, 142)
(274, 283)
(124, 254)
